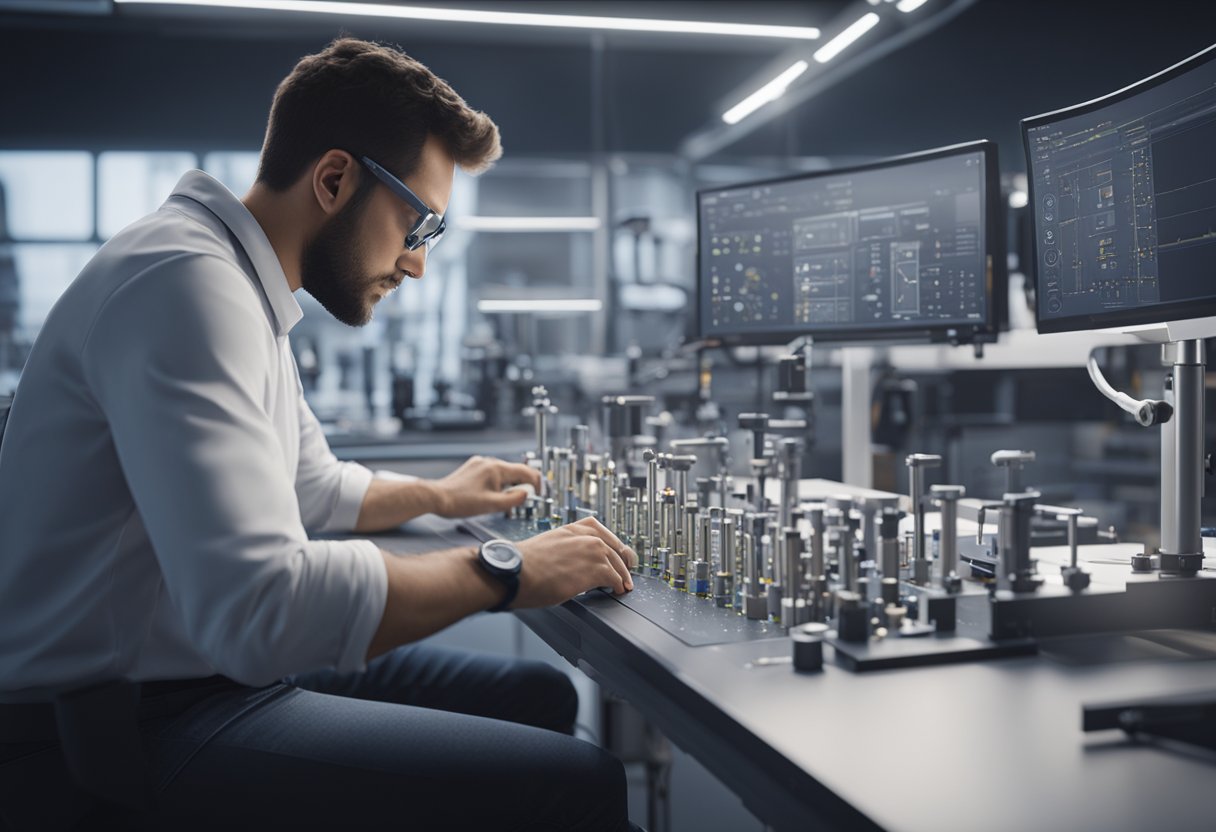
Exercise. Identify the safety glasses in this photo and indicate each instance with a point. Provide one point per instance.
(429, 228)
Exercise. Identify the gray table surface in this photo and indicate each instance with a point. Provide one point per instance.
(985, 746)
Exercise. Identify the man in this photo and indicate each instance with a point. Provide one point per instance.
(161, 472)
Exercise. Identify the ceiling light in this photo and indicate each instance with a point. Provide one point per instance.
(526, 223)
(568, 21)
(541, 305)
(839, 43)
(771, 91)
(906, 6)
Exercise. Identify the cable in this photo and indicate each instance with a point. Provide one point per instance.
(1147, 411)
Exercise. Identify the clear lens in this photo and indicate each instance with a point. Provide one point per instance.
(427, 232)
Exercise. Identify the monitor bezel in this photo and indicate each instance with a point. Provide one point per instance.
(1118, 319)
(996, 278)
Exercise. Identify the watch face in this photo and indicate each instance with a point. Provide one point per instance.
(503, 554)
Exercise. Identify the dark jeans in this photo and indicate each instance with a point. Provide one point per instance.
(425, 739)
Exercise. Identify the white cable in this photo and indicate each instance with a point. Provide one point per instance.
(1145, 410)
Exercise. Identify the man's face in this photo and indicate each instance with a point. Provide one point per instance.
(358, 256)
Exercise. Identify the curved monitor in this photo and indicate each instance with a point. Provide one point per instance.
(1124, 196)
(906, 249)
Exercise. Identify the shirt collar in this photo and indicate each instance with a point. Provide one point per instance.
(213, 196)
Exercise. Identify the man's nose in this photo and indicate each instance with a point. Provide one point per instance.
(413, 262)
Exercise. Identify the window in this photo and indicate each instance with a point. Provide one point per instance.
(46, 195)
(132, 184)
(236, 169)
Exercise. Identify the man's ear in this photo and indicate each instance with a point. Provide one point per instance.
(335, 177)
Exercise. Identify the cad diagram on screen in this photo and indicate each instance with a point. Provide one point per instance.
(1125, 202)
(881, 248)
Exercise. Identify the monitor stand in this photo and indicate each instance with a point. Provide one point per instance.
(1182, 459)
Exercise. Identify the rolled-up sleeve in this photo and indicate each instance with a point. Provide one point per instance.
(184, 400)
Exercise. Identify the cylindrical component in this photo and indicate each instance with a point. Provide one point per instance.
(916, 488)
(791, 573)
(712, 531)
(700, 578)
(541, 409)
(820, 598)
(789, 466)
(680, 465)
(689, 530)
(1169, 529)
(807, 640)
(579, 435)
(628, 509)
(663, 567)
(895, 616)
(888, 533)
(815, 515)
(848, 557)
(723, 590)
(727, 561)
(652, 495)
(890, 590)
(1016, 565)
(774, 595)
(679, 571)
(557, 470)
(755, 607)
(947, 497)
(851, 618)
(794, 611)
(1072, 539)
(670, 520)
(1187, 486)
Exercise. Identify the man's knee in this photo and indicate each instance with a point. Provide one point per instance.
(546, 684)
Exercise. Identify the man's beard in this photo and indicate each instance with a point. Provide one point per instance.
(332, 269)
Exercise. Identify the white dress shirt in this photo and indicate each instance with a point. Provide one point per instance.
(161, 473)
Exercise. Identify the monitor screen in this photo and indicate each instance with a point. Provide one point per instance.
(905, 249)
(1124, 197)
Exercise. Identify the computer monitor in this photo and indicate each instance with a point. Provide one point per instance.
(1123, 190)
(909, 249)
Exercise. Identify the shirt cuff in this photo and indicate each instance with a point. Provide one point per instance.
(394, 476)
(352, 488)
(368, 565)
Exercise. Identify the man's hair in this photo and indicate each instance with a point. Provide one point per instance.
(370, 100)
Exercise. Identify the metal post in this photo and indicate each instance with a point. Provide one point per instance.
(855, 415)
(1182, 550)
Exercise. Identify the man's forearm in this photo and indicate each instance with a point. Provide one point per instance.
(389, 503)
(429, 592)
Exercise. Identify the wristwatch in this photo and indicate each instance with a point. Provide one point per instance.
(502, 559)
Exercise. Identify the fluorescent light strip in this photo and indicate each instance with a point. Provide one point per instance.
(568, 21)
(771, 91)
(526, 223)
(841, 42)
(906, 6)
(539, 305)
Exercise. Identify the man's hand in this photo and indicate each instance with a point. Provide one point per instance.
(571, 559)
(477, 487)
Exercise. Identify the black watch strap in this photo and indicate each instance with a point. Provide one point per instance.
(511, 582)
